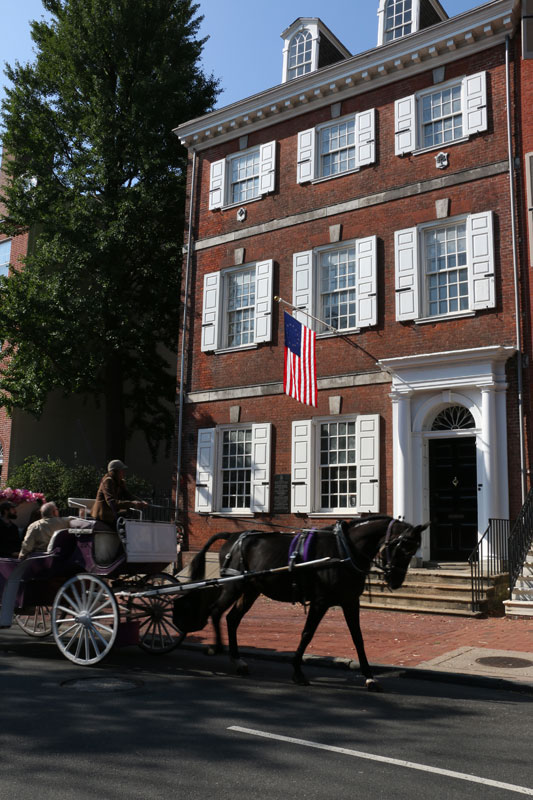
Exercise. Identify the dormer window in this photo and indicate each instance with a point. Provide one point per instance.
(309, 45)
(300, 54)
(398, 19)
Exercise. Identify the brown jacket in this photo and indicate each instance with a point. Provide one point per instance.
(112, 497)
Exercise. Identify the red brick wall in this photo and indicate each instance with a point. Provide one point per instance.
(388, 338)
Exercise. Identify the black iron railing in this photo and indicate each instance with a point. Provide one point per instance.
(520, 540)
(490, 557)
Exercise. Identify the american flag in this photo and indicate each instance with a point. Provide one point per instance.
(300, 362)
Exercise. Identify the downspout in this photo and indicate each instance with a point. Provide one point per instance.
(520, 388)
(190, 244)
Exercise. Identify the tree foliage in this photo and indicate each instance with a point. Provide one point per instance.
(98, 177)
(58, 482)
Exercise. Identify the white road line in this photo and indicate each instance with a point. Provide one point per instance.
(398, 762)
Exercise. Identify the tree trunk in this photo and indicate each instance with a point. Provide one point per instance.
(115, 421)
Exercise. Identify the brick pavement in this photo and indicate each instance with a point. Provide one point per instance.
(392, 638)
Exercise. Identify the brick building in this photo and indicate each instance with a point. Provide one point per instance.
(386, 195)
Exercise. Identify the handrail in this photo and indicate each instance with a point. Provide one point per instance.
(520, 540)
(490, 557)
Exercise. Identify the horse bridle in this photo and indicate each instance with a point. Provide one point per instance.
(388, 549)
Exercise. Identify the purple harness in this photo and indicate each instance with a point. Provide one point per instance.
(300, 547)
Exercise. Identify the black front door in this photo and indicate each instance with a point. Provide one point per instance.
(453, 498)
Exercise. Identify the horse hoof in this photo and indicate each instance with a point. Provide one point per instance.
(373, 686)
(212, 651)
(300, 680)
(241, 667)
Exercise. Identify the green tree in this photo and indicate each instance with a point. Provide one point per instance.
(99, 178)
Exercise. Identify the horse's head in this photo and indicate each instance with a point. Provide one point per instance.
(399, 546)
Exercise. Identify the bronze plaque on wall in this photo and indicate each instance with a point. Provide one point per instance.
(282, 494)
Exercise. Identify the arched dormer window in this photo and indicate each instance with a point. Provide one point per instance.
(300, 54)
(398, 19)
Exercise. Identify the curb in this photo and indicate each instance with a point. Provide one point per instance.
(411, 673)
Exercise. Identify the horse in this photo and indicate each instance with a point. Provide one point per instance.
(354, 547)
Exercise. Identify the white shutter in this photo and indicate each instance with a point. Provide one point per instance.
(405, 125)
(264, 271)
(217, 181)
(474, 95)
(481, 260)
(407, 277)
(529, 186)
(367, 450)
(365, 144)
(306, 155)
(205, 470)
(302, 466)
(261, 438)
(210, 311)
(267, 168)
(366, 271)
(303, 286)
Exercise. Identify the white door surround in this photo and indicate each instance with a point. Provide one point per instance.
(422, 385)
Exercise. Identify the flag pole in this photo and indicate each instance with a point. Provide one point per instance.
(382, 367)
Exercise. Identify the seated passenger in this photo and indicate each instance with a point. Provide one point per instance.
(40, 532)
(112, 500)
(9, 533)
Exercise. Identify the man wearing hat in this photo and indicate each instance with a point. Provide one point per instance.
(112, 498)
(9, 533)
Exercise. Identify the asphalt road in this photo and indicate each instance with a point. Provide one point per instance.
(183, 726)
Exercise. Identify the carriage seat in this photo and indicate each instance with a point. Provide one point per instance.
(83, 504)
(62, 542)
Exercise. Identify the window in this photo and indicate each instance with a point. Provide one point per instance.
(440, 116)
(337, 283)
(237, 307)
(5, 255)
(300, 54)
(243, 177)
(338, 147)
(445, 269)
(335, 464)
(233, 469)
(398, 17)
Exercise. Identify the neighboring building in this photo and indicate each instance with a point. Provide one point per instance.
(70, 428)
(373, 192)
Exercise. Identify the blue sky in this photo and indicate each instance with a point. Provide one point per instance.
(244, 49)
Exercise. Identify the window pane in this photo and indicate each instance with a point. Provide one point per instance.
(236, 468)
(397, 19)
(338, 285)
(338, 470)
(442, 119)
(240, 307)
(444, 281)
(300, 54)
(337, 148)
(5, 255)
(245, 177)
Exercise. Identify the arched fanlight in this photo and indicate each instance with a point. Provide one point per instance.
(453, 418)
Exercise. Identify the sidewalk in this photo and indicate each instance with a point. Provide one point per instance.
(428, 642)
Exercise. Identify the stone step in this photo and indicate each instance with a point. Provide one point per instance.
(431, 602)
(520, 593)
(518, 608)
(412, 608)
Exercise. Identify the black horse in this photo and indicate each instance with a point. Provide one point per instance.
(355, 546)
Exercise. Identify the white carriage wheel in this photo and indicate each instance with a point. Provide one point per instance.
(38, 623)
(157, 631)
(85, 619)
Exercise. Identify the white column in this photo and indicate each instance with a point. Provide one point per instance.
(490, 492)
(401, 454)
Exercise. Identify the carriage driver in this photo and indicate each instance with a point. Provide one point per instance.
(112, 498)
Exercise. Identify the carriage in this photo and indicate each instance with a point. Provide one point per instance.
(89, 607)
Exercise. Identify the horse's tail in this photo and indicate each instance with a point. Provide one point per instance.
(197, 567)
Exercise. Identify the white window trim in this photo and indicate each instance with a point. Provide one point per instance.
(314, 136)
(220, 177)
(313, 304)
(214, 311)
(417, 129)
(8, 262)
(209, 470)
(419, 270)
(305, 466)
